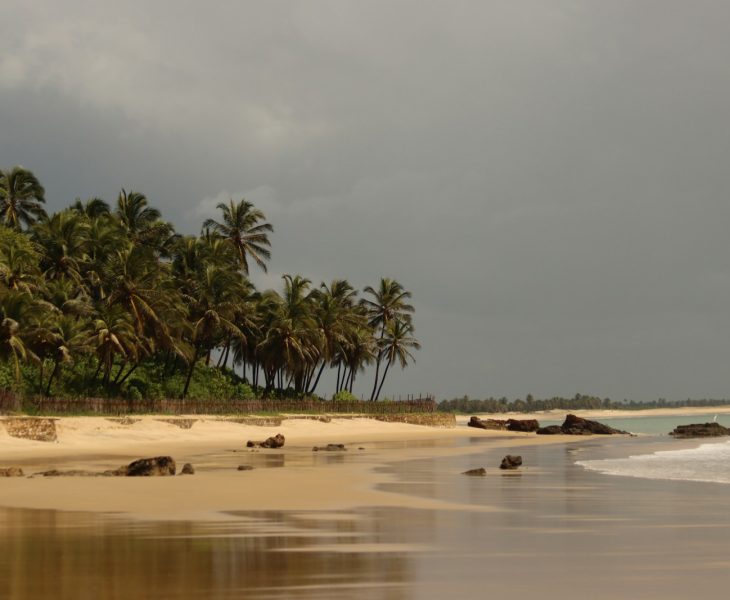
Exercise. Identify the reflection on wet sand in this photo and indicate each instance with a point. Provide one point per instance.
(562, 532)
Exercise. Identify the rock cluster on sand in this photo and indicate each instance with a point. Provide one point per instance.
(330, 448)
(187, 469)
(504, 424)
(475, 472)
(578, 426)
(245, 468)
(511, 462)
(276, 441)
(159, 466)
(696, 430)
(11, 472)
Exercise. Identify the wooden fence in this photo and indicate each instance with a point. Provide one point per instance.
(9, 403)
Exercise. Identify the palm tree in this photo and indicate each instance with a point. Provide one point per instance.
(335, 319)
(113, 336)
(65, 338)
(63, 240)
(18, 261)
(245, 228)
(142, 222)
(388, 304)
(213, 312)
(93, 208)
(21, 196)
(396, 346)
(19, 314)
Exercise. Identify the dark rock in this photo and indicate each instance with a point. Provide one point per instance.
(187, 469)
(696, 430)
(550, 430)
(11, 472)
(71, 473)
(475, 472)
(330, 448)
(150, 467)
(494, 424)
(527, 425)
(276, 441)
(578, 426)
(245, 468)
(511, 462)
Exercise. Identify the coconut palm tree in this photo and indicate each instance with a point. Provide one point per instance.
(142, 222)
(93, 208)
(21, 196)
(245, 228)
(113, 335)
(19, 315)
(63, 241)
(214, 305)
(396, 346)
(388, 304)
(18, 261)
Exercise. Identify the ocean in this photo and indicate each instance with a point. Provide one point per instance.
(709, 462)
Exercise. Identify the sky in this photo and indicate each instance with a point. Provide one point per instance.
(550, 180)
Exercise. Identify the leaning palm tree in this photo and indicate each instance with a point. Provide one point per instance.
(388, 304)
(395, 347)
(21, 196)
(245, 228)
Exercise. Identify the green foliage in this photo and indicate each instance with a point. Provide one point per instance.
(344, 396)
(108, 301)
(468, 405)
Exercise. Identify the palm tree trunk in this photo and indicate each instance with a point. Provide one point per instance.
(119, 372)
(382, 381)
(377, 371)
(50, 379)
(40, 380)
(190, 373)
(128, 373)
(316, 381)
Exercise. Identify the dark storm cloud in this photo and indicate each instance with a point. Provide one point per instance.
(549, 178)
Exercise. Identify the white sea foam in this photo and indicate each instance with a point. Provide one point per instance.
(709, 462)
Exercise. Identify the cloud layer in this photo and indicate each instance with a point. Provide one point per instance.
(549, 179)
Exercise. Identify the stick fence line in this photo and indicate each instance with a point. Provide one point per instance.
(10, 403)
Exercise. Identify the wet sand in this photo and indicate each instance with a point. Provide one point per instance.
(550, 530)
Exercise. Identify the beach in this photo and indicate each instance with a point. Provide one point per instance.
(395, 519)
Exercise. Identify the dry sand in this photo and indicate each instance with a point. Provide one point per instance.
(292, 478)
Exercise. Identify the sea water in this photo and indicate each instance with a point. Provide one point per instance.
(709, 462)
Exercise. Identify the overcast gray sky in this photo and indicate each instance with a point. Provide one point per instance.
(550, 179)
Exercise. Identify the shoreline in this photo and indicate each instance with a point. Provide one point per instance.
(323, 481)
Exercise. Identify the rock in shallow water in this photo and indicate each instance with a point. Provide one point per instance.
(276, 441)
(696, 430)
(511, 462)
(330, 448)
(480, 472)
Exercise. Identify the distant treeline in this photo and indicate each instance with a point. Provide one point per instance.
(578, 402)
